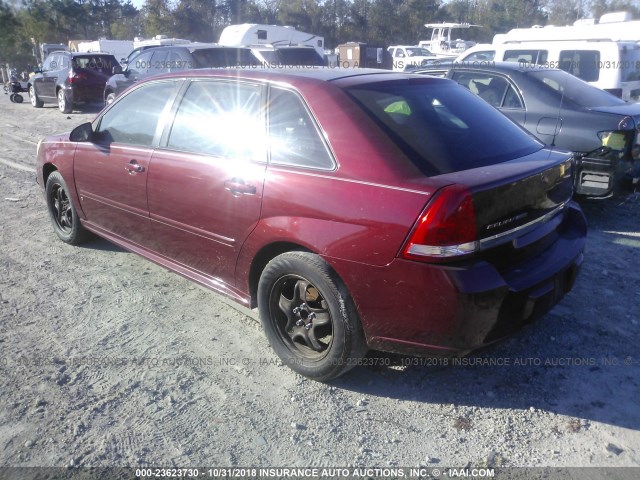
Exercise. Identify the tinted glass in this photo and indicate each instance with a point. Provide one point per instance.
(99, 63)
(221, 119)
(441, 127)
(491, 88)
(300, 56)
(574, 89)
(294, 137)
(480, 56)
(222, 57)
(176, 62)
(140, 63)
(158, 62)
(584, 64)
(133, 120)
(512, 99)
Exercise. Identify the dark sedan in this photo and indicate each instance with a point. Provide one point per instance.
(562, 111)
(358, 209)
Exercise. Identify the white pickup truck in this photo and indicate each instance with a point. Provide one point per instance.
(412, 56)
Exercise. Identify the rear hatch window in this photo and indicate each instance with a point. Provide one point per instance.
(441, 126)
(101, 63)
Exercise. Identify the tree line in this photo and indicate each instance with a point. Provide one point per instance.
(376, 22)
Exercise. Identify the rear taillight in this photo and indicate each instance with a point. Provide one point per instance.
(77, 77)
(446, 229)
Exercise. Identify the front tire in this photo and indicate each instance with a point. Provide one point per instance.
(63, 104)
(308, 316)
(62, 213)
(33, 96)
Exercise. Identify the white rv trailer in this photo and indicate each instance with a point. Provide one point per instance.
(605, 54)
(276, 35)
(613, 27)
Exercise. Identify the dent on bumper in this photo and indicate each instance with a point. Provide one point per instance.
(414, 308)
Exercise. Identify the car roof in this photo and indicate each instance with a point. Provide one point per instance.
(502, 67)
(300, 74)
(89, 54)
(197, 46)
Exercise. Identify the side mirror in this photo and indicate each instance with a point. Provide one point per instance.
(82, 133)
(37, 70)
(116, 69)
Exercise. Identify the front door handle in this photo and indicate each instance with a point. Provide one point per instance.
(237, 187)
(134, 167)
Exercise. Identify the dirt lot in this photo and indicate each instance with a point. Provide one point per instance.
(107, 359)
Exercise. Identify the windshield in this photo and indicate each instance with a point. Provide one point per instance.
(223, 57)
(574, 89)
(441, 126)
(418, 52)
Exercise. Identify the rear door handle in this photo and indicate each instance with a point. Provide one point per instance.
(134, 167)
(238, 187)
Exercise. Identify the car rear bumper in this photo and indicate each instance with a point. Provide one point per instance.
(85, 93)
(422, 309)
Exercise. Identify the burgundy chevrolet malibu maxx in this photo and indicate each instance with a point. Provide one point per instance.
(357, 209)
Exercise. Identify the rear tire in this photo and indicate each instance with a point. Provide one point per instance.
(33, 96)
(110, 98)
(62, 213)
(63, 104)
(309, 317)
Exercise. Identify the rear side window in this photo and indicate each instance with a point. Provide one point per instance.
(221, 119)
(294, 137)
(584, 64)
(442, 127)
(485, 56)
(537, 57)
(300, 56)
(493, 89)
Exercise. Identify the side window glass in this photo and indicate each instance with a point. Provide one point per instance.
(53, 63)
(584, 64)
(293, 135)
(512, 99)
(141, 63)
(221, 119)
(134, 119)
(536, 57)
(175, 62)
(480, 57)
(158, 62)
(488, 87)
(63, 61)
(47, 63)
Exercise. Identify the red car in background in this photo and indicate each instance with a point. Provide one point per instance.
(357, 209)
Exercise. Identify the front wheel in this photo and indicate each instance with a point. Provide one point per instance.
(33, 96)
(110, 98)
(309, 317)
(63, 105)
(62, 213)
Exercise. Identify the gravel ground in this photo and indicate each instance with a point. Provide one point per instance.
(107, 359)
